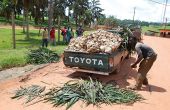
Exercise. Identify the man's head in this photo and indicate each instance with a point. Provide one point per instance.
(44, 28)
(132, 41)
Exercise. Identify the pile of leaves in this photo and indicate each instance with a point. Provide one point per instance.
(91, 92)
(88, 91)
(30, 93)
(41, 56)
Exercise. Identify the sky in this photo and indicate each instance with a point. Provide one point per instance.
(145, 9)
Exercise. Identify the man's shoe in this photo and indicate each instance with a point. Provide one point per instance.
(145, 83)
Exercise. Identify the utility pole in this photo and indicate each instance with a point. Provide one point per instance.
(165, 12)
(165, 23)
(134, 15)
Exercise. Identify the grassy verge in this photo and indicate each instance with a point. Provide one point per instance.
(17, 57)
(153, 28)
(11, 58)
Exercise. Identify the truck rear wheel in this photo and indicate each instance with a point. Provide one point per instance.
(118, 68)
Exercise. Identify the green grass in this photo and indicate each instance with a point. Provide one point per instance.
(11, 58)
(21, 42)
(153, 28)
(17, 57)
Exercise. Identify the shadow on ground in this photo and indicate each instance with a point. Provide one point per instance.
(121, 78)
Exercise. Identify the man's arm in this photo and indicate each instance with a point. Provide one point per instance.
(140, 57)
(137, 61)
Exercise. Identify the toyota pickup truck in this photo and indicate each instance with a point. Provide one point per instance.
(98, 63)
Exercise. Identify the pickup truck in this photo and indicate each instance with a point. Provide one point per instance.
(97, 63)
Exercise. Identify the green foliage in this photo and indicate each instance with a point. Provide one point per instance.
(95, 9)
(111, 21)
(84, 11)
(42, 55)
(101, 20)
(91, 92)
(31, 93)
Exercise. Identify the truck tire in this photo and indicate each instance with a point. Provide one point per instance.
(118, 69)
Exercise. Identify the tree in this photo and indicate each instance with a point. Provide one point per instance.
(101, 19)
(69, 5)
(88, 17)
(50, 15)
(14, 2)
(96, 10)
(19, 8)
(111, 21)
(1, 5)
(6, 9)
(59, 12)
(26, 9)
(79, 9)
(37, 10)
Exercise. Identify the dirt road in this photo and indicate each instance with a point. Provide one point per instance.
(56, 74)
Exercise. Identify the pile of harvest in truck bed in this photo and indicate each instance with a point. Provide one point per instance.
(98, 41)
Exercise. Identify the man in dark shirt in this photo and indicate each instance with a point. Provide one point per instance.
(146, 58)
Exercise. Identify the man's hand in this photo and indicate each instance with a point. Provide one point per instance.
(133, 65)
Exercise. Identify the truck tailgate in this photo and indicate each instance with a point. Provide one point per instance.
(88, 61)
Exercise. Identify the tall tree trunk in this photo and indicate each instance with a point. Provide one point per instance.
(37, 15)
(43, 19)
(50, 16)
(27, 23)
(15, 14)
(59, 28)
(24, 20)
(13, 29)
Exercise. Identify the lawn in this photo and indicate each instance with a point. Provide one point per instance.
(17, 57)
(153, 28)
